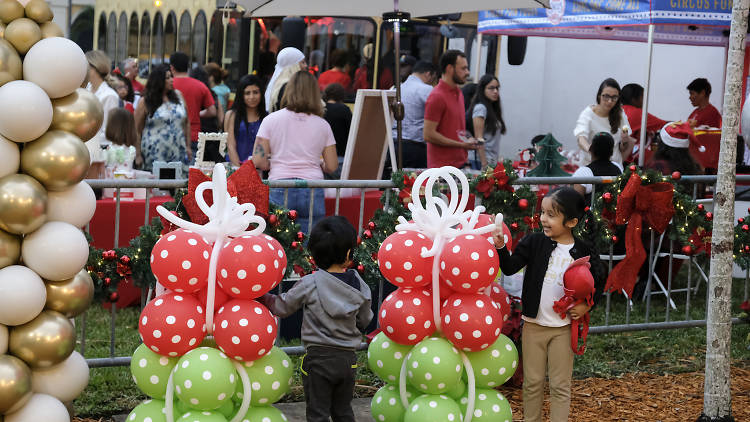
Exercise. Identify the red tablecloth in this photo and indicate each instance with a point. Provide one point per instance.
(710, 140)
(349, 207)
(102, 226)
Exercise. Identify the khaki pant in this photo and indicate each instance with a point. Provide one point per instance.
(546, 351)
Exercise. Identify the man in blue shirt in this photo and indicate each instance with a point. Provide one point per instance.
(414, 93)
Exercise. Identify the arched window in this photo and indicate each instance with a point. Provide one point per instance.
(111, 36)
(185, 35)
(144, 51)
(199, 38)
(157, 40)
(232, 62)
(101, 34)
(133, 36)
(216, 38)
(122, 38)
(170, 35)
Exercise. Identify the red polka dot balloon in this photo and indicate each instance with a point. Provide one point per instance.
(244, 329)
(179, 261)
(406, 315)
(486, 219)
(445, 291)
(172, 324)
(250, 266)
(401, 262)
(501, 298)
(472, 322)
(220, 298)
(468, 263)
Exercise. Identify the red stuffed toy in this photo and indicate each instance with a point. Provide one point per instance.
(578, 284)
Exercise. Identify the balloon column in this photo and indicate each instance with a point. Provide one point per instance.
(43, 204)
(235, 373)
(441, 351)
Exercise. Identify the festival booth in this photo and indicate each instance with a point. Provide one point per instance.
(660, 21)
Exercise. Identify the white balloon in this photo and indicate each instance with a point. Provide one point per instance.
(56, 251)
(64, 381)
(11, 157)
(26, 111)
(75, 205)
(41, 407)
(3, 339)
(22, 295)
(57, 65)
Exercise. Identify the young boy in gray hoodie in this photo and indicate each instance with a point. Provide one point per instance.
(336, 304)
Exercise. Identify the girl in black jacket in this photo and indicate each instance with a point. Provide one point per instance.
(546, 337)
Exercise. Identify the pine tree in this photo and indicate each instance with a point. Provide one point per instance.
(548, 159)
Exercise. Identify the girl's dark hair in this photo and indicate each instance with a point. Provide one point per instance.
(602, 146)
(330, 240)
(494, 119)
(238, 106)
(568, 202)
(155, 86)
(679, 159)
(615, 114)
(120, 128)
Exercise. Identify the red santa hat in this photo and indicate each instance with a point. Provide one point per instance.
(676, 134)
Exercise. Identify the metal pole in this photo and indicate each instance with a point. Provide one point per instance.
(69, 18)
(398, 111)
(478, 59)
(644, 109)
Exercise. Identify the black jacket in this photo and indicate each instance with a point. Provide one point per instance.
(533, 252)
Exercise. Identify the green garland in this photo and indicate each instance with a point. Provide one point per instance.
(741, 253)
(494, 186)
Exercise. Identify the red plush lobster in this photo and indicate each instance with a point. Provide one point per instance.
(578, 284)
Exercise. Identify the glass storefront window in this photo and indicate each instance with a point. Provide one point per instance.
(111, 36)
(216, 38)
(185, 35)
(133, 36)
(157, 46)
(144, 52)
(199, 38)
(101, 39)
(170, 35)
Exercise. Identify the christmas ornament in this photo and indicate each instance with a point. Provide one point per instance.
(523, 203)
(607, 197)
(687, 250)
(293, 214)
(367, 234)
(300, 236)
(371, 225)
(676, 175)
(273, 219)
(709, 216)
(701, 207)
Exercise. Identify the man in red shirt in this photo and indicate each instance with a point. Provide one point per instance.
(198, 99)
(445, 115)
(129, 69)
(338, 73)
(704, 114)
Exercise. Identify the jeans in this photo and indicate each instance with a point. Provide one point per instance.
(328, 376)
(299, 200)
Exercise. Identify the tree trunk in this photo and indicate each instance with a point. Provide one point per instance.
(717, 398)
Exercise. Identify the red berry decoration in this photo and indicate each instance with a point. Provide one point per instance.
(361, 269)
(367, 234)
(295, 244)
(250, 266)
(179, 261)
(687, 250)
(514, 226)
(292, 214)
(400, 260)
(709, 216)
(740, 220)
(471, 321)
(468, 263)
(523, 204)
(607, 197)
(273, 219)
(747, 248)
(107, 281)
(244, 329)
(371, 225)
(501, 299)
(745, 227)
(114, 297)
(633, 168)
(406, 316)
(300, 236)
(676, 175)
(172, 324)
(615, 239)
(701, 207)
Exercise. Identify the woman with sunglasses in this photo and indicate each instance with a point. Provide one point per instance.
(605, 116)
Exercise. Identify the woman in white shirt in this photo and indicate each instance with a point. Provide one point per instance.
(605, 116)
(99, 67)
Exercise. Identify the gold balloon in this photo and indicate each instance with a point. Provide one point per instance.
(23, 33)
(10, 10)
(79, 113)
(23, 204)
(57, 159)
(44, 341)
(50, 29)
(15, 383)
(11, 68)
(2, 34)
(38, 11)
(10, 249)
(72, 296)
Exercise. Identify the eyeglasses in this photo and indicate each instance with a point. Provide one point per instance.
(607, 97)
(493, 88)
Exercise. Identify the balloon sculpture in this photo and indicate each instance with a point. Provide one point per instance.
(441, 351)
(235, 373)
(43, 205)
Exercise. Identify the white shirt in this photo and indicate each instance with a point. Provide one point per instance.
(590, 123)
(414, 93)
(110, 100)
(552, 289)
(585, 171)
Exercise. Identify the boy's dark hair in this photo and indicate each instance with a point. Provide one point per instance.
(423, 66)
(700, 84)
(602, 146)
(180, 61)
(334, 92)
(535, 140)
(449, 57)
(631, 93)
(339, 58)
(330, 240)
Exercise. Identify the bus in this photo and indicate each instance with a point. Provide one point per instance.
(151, 30)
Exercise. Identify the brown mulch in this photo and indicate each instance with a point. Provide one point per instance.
(639, 397)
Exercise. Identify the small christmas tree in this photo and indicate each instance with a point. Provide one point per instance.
(548, 159)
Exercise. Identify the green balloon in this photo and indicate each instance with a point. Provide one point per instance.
(151, 371)
(433, 366)
(264, 414)
(489, 406)
(386, 404)
(202, 416)
(456, 392)
(270, 378)
(432, 408)
(149, 411)
(494, 365)
(385, 357)
(204, 379)
(227, 409)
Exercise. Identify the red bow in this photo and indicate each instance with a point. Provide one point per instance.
(244, 184)
(636, 204)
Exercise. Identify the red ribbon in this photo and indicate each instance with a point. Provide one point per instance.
(637, 204)
(244, 184)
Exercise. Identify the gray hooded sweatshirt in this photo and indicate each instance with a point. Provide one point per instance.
(334, 312)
